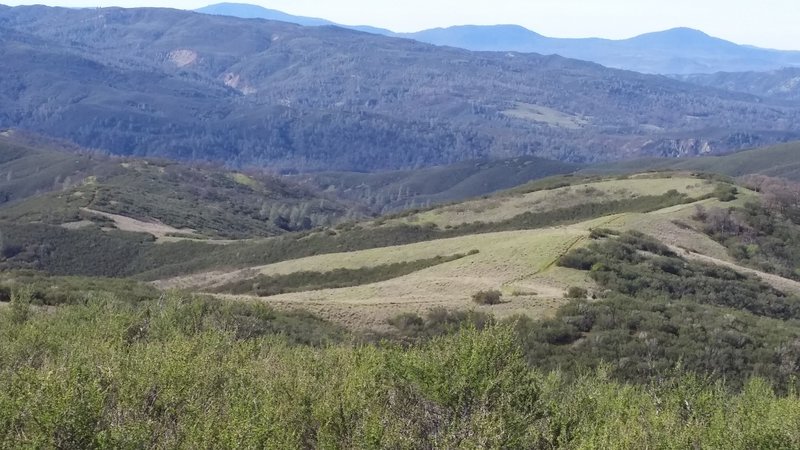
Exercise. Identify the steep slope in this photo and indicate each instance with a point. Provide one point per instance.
(172, 83)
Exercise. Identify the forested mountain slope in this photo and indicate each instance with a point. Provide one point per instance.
(160, 82)
(388, 191)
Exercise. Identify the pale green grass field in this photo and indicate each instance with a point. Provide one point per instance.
(496, 209)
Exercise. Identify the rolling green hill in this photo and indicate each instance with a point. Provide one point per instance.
(545, 248)
(777, 161)
(47, 185)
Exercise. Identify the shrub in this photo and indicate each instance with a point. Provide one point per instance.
(580, 259)
(599, 233)
(575, 292)
(487, 297)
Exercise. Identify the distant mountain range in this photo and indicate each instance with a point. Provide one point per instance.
(250, 92)
(247, 11)
(677, 51)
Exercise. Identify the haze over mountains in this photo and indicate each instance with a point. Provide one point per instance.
(159, 82)
(675, 51)
(248, 11)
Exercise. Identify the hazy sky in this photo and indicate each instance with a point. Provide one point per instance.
(766, 23)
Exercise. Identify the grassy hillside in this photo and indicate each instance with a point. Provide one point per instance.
(507, 205)
(519, 235)
(419, 189)
(45, 185)
(28, 170)
(63, 250)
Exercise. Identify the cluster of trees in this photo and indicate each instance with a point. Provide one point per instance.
(777, 194)
(763, 234)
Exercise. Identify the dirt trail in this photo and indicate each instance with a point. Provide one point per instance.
(154, 227)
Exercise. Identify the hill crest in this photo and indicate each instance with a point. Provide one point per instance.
(679, 50)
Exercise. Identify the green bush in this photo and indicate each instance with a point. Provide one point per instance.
(725, 192)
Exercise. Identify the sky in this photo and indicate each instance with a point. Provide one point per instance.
(764, 23)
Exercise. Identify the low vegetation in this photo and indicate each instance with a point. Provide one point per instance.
(43, 290)
(575, 292)
(650, 349)
(414, 328)
(185, 373)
